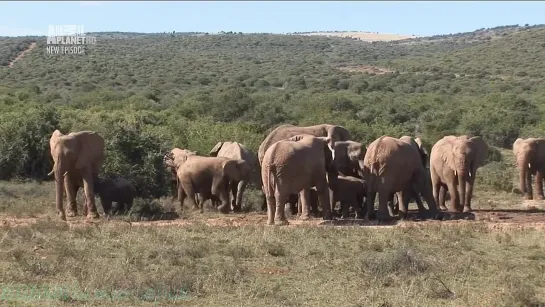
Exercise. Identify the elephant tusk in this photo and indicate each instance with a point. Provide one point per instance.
(455, 173)
(469, 174)
(529, 165)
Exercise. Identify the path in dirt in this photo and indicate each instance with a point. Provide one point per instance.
(22, 54)
(498, 220)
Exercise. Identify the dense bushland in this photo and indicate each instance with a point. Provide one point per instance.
(148, 93)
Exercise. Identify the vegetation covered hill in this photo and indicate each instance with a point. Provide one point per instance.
(191, 90)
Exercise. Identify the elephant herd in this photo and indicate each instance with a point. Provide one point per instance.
(303, 167)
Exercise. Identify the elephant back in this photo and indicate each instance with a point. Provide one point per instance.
(388, 153)
(338, 133)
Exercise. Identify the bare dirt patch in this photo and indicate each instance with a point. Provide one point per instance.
(365, 69)
(22, 54)
(494, 219)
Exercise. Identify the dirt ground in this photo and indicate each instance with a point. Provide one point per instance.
(22, 54)
(494, 219)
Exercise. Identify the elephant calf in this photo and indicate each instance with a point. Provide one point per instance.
(210, 177)
(118, 190)
(351, 192)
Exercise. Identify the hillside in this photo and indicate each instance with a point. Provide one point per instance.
(192, 90)
(359, 35)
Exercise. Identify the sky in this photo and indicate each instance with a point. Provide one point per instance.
(421, 18)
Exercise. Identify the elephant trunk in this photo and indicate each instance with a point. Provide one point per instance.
(522, 164)
(240, 190)
(59, 186)
(462, 173)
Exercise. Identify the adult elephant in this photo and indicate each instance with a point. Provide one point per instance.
(530, 160)
(174, 159)
(210, 177)
(334, 132)
(78, 159)
(294, 166)
(454, 161)
(237, 151)
(414, 195)
(391, 166)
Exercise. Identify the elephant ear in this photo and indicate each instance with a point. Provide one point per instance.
(54, 139)
(338, 133)
(91, 149)
(445, 150)
(355, 151)
(482, 150)
(516, 145)
(216, 149)
(234, 169)
(168, 159)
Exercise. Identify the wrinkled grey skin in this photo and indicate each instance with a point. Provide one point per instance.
(454, 161)
(413, 194)
(530, 160)
(115, 190)
(172, 161)
(209, 176)
(334, 132)
(351, 192)
(390, 166)
(237, 151)
(294, 166)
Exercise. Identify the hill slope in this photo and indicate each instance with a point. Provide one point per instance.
(195, 90)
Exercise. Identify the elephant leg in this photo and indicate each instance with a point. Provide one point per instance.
(469, 194)
(71, 192)
(528, 183)
(383, 213)
(199, 201)
(442, 197)
(264, 205)
(297, 203)
(280, 216)
(370, 204)
(106, 205)
(454, 197)
(240, 192)
(271, 209)
(393, 204)
(403, 199)
(224, 198)
(539, 185)
(89, 195)
(181, 197)
(437, 193)
(417, 199)
(233, 189)
(294, 204)
(323, 196)
(304, 197)
(344, 208)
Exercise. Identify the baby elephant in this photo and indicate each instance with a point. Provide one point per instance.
(351, 192)
(118, 190)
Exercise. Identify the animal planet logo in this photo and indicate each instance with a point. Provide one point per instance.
(67, 39)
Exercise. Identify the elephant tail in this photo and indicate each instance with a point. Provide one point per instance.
(374, 164)
(269, 182)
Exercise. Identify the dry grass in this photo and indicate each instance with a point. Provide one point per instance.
(271, 266)
(197, 263)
